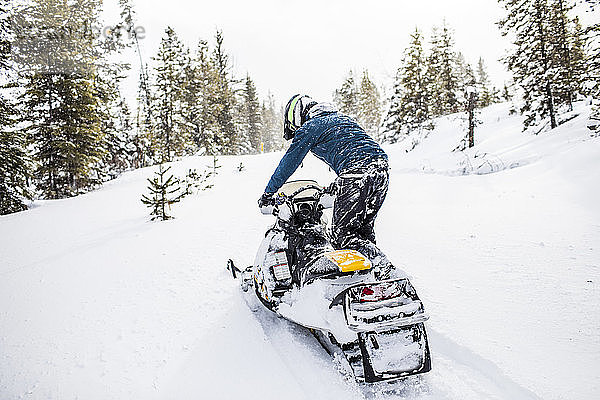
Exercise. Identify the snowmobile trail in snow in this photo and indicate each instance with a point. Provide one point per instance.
(458, 373)
(487, 372)
(301, 354)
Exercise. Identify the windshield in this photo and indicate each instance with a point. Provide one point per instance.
(290, 187)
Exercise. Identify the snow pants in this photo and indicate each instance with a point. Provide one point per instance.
(360, 194)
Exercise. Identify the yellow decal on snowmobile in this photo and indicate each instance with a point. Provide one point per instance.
(349, 260)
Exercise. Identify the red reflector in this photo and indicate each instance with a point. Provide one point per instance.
(380, 291)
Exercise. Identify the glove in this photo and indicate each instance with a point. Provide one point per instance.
(266, 200)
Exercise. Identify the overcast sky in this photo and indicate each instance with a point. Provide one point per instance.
(309, 46)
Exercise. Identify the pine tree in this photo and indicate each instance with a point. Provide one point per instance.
(567, 51)
(464, 72)
(118, 140)
(448, 80)
(199, 98)
(128, 138)
(443, 85)
(251, 116)
(65, 131)
(485, 92)
(115, 121)
(409, 105)
(369, 106)
(195, 182)
(580, 61)
(432, 74)
(142, 138)
(164, 192)
(506, 93)
(272, 127)
(14, 162)
(60, 103)
(172, 135)
(392, 124)
(592, 48)
(224, 102)
(114, 114)
(346, 97)
(531, 60)
(215, 165)
(466, 79)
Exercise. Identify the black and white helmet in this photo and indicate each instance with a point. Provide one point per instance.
(296, 113)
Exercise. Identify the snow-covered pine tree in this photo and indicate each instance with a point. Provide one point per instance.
(465, 77)
(369, 106)
(448, 79)
(192, 99)
(251, 116)
(484, 88)
(165, 190)
(59, 104)
(531, 60)
(115, 117)
(118, 139)
(200, 104)
(195, 182)
(14, 162)
(506, 93)
(172, 135)
(392, 126)
(432, 74)
(115, 122)
(409, 105)
(215, 165)
(592, 49)
(141, 144)
(346, 98)
(271, 125)
(443, 84)
(581, 65)
(224, 101)
(567, 48)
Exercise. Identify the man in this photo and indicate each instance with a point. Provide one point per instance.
(359, 162)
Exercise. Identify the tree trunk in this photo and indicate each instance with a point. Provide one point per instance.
(471, 110)
(543, 39)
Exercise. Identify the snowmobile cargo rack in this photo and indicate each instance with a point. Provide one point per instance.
(397, 305)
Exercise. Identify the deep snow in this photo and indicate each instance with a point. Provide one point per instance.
(96, 302)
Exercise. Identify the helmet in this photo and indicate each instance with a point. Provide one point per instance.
(296, 112)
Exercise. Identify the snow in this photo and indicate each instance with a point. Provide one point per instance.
(502, 243)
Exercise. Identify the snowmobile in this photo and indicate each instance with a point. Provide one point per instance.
(375, 327)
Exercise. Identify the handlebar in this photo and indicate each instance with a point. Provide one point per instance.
(282, 198)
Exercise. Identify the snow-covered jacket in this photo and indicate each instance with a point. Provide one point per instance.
(332, 137)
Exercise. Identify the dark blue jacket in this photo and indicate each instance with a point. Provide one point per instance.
(334, 138)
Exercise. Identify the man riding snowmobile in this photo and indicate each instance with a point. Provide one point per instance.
(342, 289)
(359, 162)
